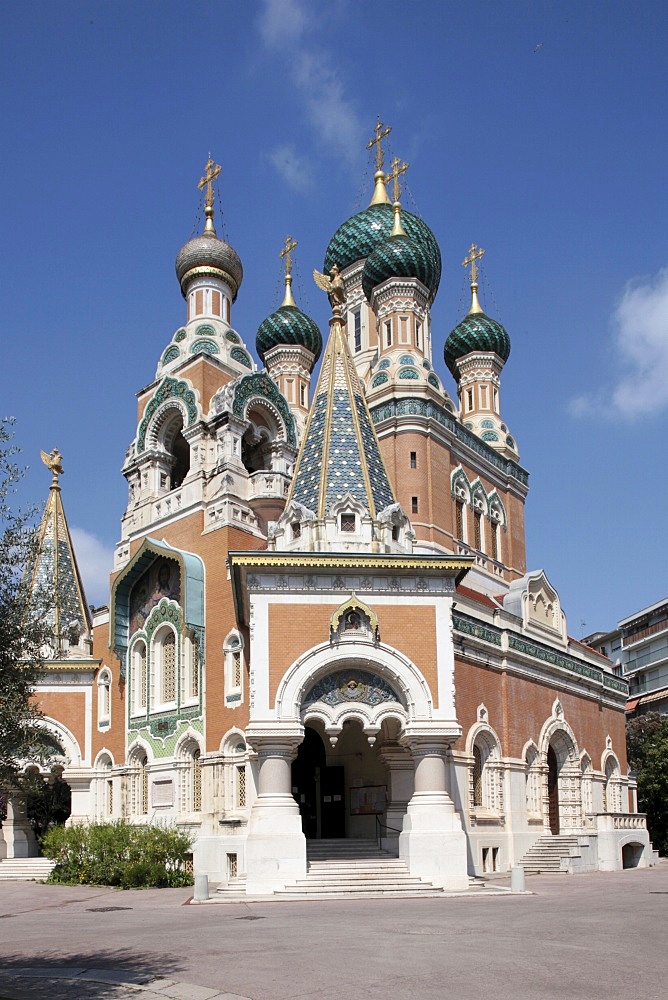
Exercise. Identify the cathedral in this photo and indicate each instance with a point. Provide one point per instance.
(321, 629)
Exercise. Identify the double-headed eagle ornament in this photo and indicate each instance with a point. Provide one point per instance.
(332, 285)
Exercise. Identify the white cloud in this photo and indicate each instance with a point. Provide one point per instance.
(641, 342)
(95, 563)
(318, 85)
(282, 22)
(294, 170)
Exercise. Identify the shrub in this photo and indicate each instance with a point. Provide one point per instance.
(118, 854)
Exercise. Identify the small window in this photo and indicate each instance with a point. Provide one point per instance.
(296, 529)
(477, 530)
(348, 522)
(388, 334)
(395, 533)
(459, 520)
(418, 335)
(302, 394)
(414, 505)
(357, 319)
(413, 460)
(469, 399)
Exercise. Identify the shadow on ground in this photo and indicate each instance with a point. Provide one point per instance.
(94, 965)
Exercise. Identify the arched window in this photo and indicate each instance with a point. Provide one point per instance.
(164, 657)
(191, 778)
(234, 672)
(486, 774)
(139, 783)
(613, 788)
(105, 787)
(534, 803)
(190, 669)
(138, 680)
(104, 699)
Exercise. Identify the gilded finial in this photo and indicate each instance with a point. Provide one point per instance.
(398, 168)
(54, 463)
(379, 191)
(475, 253)
(211, 171)
(286, 255)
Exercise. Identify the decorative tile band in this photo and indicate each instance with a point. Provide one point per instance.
(471, 627)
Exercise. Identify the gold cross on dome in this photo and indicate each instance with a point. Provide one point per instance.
(475, 253)
(398, 168)
(286, 252)
(211, 171)
(377, 142)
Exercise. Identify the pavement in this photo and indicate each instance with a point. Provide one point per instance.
(586, 937)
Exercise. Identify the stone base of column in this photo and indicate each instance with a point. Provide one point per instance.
(432, 842)
(19, 838)
(276, 845)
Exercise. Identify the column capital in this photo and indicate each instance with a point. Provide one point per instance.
(275, 738)
(430, 736)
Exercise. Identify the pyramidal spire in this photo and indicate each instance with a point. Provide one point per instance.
(53, 568)
(340, 498)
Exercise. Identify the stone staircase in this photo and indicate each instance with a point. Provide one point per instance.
(344, 868)
(550, 855)
(13, 869)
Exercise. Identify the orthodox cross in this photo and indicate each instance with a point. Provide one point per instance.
(286, 252)
(398, 168)
(475, 253)
(377, 142)
(211, 172)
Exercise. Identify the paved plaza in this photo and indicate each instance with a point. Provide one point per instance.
(562, 940)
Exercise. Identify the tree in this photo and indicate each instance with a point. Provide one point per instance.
(647, 748)
(24, 627)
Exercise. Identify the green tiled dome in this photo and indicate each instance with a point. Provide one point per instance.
(402, 257)
(360, 235)
(476, 332)
(288, 325)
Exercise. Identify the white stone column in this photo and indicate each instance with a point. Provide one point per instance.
(432, 842)
(401, 772)
(276, 846)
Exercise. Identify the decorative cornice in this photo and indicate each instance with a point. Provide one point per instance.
(341, 560)
(430, 409)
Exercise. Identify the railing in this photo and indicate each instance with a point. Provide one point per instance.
(379, 831)
(621, 821)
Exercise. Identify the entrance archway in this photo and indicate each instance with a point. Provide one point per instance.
(341, 788)
(553, 790)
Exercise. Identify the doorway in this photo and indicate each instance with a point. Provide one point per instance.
(319, 790)
(553, 790)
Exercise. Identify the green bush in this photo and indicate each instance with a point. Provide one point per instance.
(118, 854)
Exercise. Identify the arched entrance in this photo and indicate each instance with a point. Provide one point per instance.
(342, 787)
(553, 790)
(319, 790)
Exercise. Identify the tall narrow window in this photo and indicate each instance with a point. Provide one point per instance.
(413, 460)
(459, 520)
(388, 334)
(233, 657)
(104, 699)
(414, 505)
(477, 776)
(477, 530)
(144, 786)
(168, 666)
(197, 781)
(418, 335)
(241, 786)
(494, 532)
(357, 321)
(469, 399)
(302, 394)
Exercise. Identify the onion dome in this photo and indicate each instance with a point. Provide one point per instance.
(209, 255)
(359, 236)
(288, 325)
(476, 332)
(403, 256)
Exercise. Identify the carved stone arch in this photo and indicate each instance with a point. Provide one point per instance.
(460, 485)
(403, 676)
(171, 393)
(484, 732)
(556, 731)
(64, 737)
(259, 393)
(562, 790)
(104, 760)
(530, 748)
(139, 747)
(479, 500)
(231, 741)
(495, 506)
(613, 782)
(188, 741)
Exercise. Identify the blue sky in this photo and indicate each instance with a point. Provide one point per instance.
(534, 129)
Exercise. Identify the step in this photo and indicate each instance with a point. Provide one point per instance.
(26, 868)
